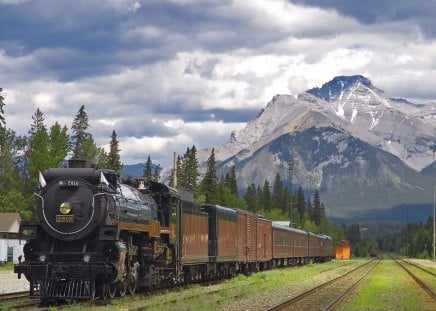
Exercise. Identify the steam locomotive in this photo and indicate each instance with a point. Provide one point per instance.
(102, 236)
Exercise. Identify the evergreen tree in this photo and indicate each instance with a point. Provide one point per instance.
(317, 212)
(352, 233)
(266, 196)
(11, 198)
(114, 161)
(277, 194)
(301, 202)
(2, 112)
(190, 168)
(59, 145)
(156, 175)
(38, 123)
(90, 151)
(148, 169)
(309, 208)
(231, 182)
(209, 184)
(323, 215)
(259, 205)
(187, 171)
(250, 198)
(37, 153)
(103, 158)
(80, 138)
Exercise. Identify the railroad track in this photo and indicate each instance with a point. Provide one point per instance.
(327, 295)
(424, 278)
(18, 301)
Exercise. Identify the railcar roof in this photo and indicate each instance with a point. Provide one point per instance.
(289, 229)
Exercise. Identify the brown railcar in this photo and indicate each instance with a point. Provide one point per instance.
(223, 245)
(301, 242)
(327, 251)
(289, 245)
(246, 239)
(264, 242)
(194, 229)
(314, 249)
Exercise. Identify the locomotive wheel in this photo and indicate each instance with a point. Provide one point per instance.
(103, 291)
(122, 288)
(131, 285)
(112, 290)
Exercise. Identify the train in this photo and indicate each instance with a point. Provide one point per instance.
(99, 235)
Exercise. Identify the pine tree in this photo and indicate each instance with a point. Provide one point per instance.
(317, 213)
(209, 184)
(190, 170)
(90, 151)
(309, 208)
(301, 203)
(277, 194)
(250, 198)
(11, 198)
(80, 138)
(58, 145)
(259, 205)
(114, 161)
(148, 168)
(2, 112)
(156, 175)
(38, 123)
(231, 182)
(37, 153)
(266, 196)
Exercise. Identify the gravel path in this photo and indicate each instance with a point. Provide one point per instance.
(9, 283)
(266, 300)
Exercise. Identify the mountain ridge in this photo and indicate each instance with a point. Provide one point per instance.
(396, 133)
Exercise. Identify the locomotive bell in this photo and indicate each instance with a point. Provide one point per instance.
(141, 185)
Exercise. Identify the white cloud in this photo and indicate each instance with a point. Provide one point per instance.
(157, 74)
(45, 101)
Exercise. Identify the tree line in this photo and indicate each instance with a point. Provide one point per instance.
(22, 157)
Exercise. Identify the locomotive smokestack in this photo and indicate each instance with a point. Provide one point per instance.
(75, 163)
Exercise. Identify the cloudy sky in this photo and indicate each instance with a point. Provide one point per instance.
(169, 74)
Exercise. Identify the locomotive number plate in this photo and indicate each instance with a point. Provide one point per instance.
(65, 218)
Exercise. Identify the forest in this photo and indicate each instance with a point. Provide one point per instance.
(23, 156)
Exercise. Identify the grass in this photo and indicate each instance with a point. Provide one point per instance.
(387, 288)
(197, 297)
(8, 266)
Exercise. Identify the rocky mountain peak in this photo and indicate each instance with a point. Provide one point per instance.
(335, 89)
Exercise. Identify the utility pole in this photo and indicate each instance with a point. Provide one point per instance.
(434, 204)
(290, 168)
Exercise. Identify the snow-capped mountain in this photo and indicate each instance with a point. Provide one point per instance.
(362, 149)
(352, 104)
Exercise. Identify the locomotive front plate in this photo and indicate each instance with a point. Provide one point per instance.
(65, 218)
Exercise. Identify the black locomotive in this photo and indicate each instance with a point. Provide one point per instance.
(99, 236)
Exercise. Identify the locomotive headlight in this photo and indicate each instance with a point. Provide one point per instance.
(42, 257)
(65, 208)
(86, 258)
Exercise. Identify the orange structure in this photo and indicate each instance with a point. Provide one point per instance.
(343, 250)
